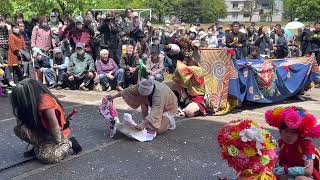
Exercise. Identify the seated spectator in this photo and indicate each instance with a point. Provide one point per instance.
(80, 72)
(108, 71)
(155, 65)
(44, 66)
(16, 44)
(130, 63)
(255, 54)
(60, 65)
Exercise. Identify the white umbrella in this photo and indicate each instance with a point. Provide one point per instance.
(294, 25)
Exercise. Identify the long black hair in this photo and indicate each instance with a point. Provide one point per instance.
(25, 100)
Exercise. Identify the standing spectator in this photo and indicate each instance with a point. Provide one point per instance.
(42, 36)
(252, 36)
(16, 44)
(130, 63)
(315, 41)
(108, 71)
(44, 66)
(25, 35)
(211, 39)
(281, 47)
(236, 40)
(155, 65)
(79, 34)
(221, 36)
(55, 25)
(305, 39)
(4, 35)
(110, 31)
(65, 45)
(80, 73)
(262, 42)
(60, 65)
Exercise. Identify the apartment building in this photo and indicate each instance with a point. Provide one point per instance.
(262, 11)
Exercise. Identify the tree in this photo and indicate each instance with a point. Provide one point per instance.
(307, 10)
(250, 8)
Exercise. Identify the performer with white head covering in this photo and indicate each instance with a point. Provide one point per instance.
(159, 98)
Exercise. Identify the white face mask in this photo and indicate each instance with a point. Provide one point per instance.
(15, 30)
(80, 52)
(79, 26)
(44, 24)
(53, 19)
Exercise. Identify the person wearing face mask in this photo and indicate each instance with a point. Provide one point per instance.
(44, 67)
(42, 36)
(55, 25)
(16, 43)
(130, 63)
(4, 35)
(211, 39)
(80, 71)
(60, 64)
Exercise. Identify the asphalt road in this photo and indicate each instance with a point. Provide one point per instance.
(189, 152)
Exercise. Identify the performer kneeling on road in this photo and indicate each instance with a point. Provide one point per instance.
(41, 122)
(162, 102)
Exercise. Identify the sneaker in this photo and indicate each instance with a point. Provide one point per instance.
(51, 86)
(75, 145)
(83, 87)
(12, 84)
(59, 87)
(2, 85)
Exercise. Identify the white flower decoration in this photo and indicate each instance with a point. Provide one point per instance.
(253, 134)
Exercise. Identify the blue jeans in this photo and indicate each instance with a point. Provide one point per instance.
(118, 75)
(48, 73)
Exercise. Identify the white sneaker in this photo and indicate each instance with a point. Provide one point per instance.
(11, 83)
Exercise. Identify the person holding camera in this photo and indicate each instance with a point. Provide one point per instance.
(111, 33)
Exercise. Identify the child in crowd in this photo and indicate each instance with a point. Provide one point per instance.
(142, 67)
(41, 122)
(249, 149)
(298, 157)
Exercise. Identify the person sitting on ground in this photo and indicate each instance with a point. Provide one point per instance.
(188, 84)
(60, 65)
(162, 102)
(155, 64)
(130, 63)
(254, 53)
(81, 71)
(41, 122)
(44, 66)
(108, 71)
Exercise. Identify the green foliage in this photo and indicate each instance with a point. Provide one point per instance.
(188, 10)
(307, 10)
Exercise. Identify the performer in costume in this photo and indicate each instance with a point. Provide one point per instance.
(249, 149)
(296, 126)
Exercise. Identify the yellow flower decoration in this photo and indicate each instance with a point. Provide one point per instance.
(247, 172)
(249, 151)
(264, 160)
(233, 151)
(234, 135)
(277, 110)
(269, 145)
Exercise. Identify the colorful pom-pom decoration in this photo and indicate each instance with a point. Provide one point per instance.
(294, 118)
(247, 147)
